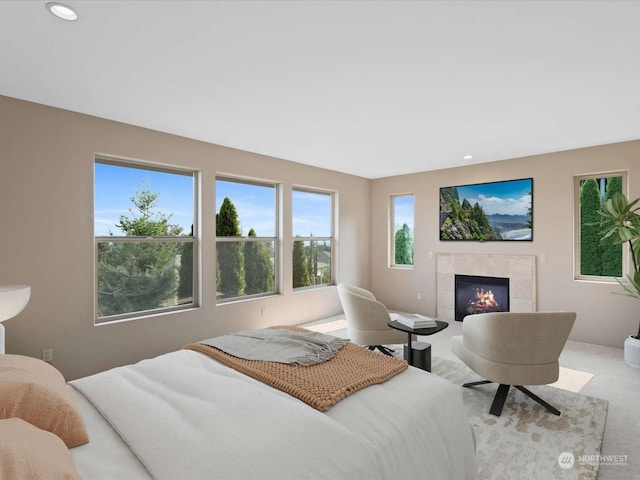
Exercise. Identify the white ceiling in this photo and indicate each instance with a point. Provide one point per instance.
(372, 88)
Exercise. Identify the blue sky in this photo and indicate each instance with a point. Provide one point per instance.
(114, 185)
(256, 209)
(511, 197)
(311, 214)
(403, 211)
(255, 205)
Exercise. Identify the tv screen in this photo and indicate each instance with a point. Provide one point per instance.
(495, 211)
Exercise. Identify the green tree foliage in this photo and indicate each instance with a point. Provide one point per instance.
(227, 223)
(590, 247)
(598, 256)
(231, 281)
(134, 276)
(185, 288)
(611, 253)
(462, 221)
(301, 277)
(312, 264)
(259, 274)
(318, 262)
(479, 223)
(324, 252)
(621, 223)
(404, 246)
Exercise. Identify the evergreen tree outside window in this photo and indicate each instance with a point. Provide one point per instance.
(144, 239)
(246, 242)
(595, 258)
(402, 246)
(259, 271)
(313, 241)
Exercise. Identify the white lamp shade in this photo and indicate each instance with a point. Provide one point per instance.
(13, 298)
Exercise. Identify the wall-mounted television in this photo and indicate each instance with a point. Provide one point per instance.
(494, 211)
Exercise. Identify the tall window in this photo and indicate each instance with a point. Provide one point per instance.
(312, 238)
(145, 239)
(596, 258)
(246, 240)
(401, 243)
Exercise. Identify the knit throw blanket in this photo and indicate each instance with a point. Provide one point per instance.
(320, 385)
(279, 345)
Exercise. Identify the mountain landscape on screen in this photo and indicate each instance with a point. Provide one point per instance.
(487, 212)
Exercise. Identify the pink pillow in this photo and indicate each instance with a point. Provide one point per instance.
(28, 452)
(36, 392)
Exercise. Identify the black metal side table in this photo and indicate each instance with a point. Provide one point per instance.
(440, 325)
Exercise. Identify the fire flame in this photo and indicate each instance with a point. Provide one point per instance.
(483, 301)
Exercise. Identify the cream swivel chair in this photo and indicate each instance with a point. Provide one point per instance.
(514, 349)
(367, 319)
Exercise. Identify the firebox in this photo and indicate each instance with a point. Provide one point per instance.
(475, 294)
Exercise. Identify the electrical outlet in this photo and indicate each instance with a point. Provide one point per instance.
(419, 295)
(47, 355)
(263, 311)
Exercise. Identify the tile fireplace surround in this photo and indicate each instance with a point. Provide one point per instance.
(519, 269)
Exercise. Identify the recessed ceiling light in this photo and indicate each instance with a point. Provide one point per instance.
(468, 157)
(62, 11)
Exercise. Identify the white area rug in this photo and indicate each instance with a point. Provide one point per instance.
(526, 441)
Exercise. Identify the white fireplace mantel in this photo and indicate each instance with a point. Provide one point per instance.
(519, 269)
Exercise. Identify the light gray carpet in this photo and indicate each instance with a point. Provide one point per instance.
(526, 441)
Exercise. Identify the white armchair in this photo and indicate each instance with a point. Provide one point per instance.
(367, 319)
(514, 349)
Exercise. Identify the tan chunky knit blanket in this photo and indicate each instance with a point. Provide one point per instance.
(321, 385)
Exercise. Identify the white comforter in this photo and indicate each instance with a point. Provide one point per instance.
(187, 416)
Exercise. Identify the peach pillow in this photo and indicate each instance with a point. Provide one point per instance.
(26, 452)
(36, 392)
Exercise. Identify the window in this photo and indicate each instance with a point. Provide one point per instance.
(312, 229)
(145, 237)
(596, 259)
(401, 242)
(246, 241)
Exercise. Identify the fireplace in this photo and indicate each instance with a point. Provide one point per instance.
(476, 294)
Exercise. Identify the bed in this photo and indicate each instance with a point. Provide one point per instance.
(185, 415)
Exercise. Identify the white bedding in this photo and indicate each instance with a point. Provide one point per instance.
(186, 416)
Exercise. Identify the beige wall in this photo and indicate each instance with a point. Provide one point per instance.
(603, 318)
(46, 216)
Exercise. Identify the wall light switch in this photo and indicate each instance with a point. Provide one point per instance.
(543, 258)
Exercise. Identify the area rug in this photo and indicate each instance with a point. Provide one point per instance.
(526, 442)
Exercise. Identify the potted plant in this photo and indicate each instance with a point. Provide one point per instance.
(621, 223)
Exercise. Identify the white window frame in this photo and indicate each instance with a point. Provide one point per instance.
(392, 232)
(277, 244)
(331, 239)
(156, 167)
(577, 262)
